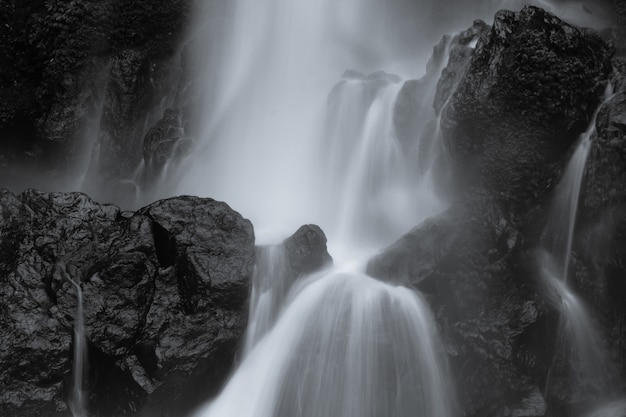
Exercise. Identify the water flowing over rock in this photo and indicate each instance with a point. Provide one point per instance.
(277, 269)
(465, 262)
(164, 293)
(168, 290)
(512, 108)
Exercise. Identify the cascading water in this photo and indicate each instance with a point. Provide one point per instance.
(346, 345)
(576, 329)
(278, 148)
(270, 284)
(286, 153)
(77, 395)
(77, 400)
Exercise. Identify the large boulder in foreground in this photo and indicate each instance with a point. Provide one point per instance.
(530, 89)
(164, 294)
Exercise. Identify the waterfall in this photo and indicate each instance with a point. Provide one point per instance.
(287, 144)
(270, 284)
(77, 402)
(346, 345)
(271, 138)
(577, 332)
(79, 363)
(559, 232)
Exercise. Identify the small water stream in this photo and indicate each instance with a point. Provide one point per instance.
(577, 332)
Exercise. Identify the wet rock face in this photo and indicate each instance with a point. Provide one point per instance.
(466, 262)
(164, 291)
(530, 89)
(605, 183)
(512, 110)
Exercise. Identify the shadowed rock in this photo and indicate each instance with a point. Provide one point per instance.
(530, 89)
(164, 295)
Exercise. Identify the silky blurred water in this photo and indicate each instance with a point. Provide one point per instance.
(346, 345)
(298, 127)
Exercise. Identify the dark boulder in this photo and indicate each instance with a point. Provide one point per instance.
(34, 345)
(306, 250)
(276, 270)
(213, 262)
(467, 262)
(164, 294)
(530, 89)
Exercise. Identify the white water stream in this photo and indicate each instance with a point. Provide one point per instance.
(77, 396)
(287, 141)
(577, 331)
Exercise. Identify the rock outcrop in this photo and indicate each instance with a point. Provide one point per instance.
(512, 111)
(164, 294)
(529, 90)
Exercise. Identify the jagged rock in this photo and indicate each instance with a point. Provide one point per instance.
(531, 87)
(208, 260)
(467, 263)
(34, 345)
(156, 321)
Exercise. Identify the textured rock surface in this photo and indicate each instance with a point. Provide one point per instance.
(466, 261)
(164, 293)
(531, 87)
(516, 105)
(306, 250)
